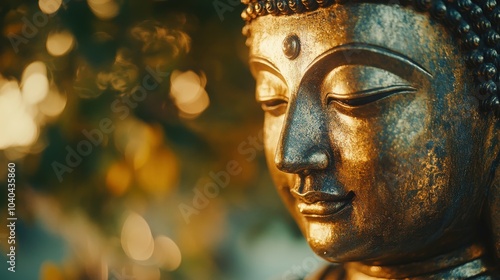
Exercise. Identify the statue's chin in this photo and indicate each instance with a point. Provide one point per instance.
(330, 245)
(337, 244)
(343, 252)
(333, 253)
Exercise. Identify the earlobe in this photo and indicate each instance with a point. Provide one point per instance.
(493, 201)
(493, 212)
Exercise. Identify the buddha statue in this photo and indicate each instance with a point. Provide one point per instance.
(381, 131)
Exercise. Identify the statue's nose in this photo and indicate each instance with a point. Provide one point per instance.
(303, 145)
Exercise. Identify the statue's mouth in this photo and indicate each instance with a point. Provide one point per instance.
(320, 204)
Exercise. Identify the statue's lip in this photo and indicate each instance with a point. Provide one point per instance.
(312, 197)
(322, 204)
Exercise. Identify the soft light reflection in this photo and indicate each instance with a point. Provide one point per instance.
(49, 6)
(104, 9)
(136, 238)
(59, 43)
(189, 94)
(167, 254)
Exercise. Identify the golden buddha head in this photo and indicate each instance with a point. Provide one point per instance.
(381, 122)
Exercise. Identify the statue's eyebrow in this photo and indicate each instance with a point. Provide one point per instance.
(369, 55)
(258, 64)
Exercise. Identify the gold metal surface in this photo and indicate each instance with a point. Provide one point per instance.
(376, 142)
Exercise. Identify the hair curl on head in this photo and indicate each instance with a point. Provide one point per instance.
(476, 23)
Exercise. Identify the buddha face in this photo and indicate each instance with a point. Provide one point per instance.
(372, 131)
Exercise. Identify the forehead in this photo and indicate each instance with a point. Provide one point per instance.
(396, 28)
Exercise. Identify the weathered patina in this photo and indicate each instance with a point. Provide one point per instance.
(381, 131)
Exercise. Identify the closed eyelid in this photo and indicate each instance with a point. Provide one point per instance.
(371, 92)
(361, 79)
(369, 96)
(267, 98)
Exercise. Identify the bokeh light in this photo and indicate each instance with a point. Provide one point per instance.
(34, 83)
(136, 238)
(186, 87)
(189, 94)
(36, 67)
(49, 6)
(118, 179)
(167, 254)
(53, 105)
(159, 175)
(10, 97)
(35, 88)
(18, 127)
(104, 9)
(60, 43)
(24, 108)
(138, 147)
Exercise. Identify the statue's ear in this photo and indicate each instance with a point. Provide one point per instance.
(492, 207)
(493, 211)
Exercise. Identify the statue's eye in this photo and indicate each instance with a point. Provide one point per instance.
(271, 93)
(275, 107)
(367, 96)
(357, 85)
